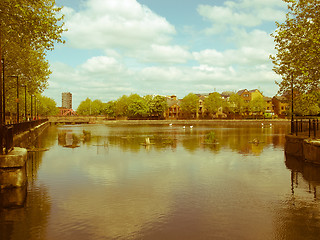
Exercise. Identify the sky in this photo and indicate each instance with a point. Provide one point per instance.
(164, 47)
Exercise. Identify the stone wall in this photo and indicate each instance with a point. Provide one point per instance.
(304, 148)
(28, 137)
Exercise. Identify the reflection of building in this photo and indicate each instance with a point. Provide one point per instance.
(67, 100)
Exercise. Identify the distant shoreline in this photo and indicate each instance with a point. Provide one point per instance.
(195, 122)
(103, 120)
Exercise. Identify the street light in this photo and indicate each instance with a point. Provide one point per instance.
(31, 107)
(17, 100)
(25, 100)
(292, 121)
(3, 95)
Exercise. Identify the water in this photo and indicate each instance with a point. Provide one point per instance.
(102, 182)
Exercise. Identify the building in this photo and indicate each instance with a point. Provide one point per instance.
(173, 111)
(281, 106)
(67, 100)
(245, 94)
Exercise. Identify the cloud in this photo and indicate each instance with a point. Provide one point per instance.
(245, 13)
(124, 24)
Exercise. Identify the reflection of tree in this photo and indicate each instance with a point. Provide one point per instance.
(309, 173)
(298, 216)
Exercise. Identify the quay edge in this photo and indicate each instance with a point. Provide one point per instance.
(304, 148)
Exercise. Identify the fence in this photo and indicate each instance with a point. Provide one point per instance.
(7, 133)
(306, 127)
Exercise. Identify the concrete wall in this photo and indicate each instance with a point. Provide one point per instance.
(305, 148)
(28, 137)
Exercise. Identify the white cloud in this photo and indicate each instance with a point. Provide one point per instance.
(116, 23)
(245, 13)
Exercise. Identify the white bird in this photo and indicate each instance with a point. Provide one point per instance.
(184, 127)
(170, 124)
(191, 127)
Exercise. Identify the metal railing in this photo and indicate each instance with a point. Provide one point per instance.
(306, 127)
(7, 133)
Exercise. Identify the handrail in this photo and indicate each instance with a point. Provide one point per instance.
(305, 126)
(7, 133)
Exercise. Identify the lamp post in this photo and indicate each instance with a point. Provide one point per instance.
(292, 121)
(35, 107)
(31, 112)
(3, 95)
(25, 100)
(17, 100)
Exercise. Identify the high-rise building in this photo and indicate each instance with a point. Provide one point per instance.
(67, 100)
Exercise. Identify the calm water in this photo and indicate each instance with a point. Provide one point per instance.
(101, 182)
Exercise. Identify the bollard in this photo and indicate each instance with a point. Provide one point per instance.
(309, 127)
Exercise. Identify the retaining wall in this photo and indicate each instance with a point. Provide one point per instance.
(304, 148)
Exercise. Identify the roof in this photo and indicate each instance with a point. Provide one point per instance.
(242, 91)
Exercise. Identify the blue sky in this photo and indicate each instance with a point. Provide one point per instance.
(117, 47)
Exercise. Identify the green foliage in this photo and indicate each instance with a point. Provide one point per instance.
(46, 106)
(189, 104)
(28, 29)
(210, 138)
(297, 44)
(236, 104)
(110, 109)
(307, 104)
(122, 106)
(257, 105)
(213, 102)
(137, 106)
(84, 108)
(157, 105)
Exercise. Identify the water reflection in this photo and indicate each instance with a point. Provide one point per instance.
(251, 139)
(302, 173)
(113, 187)
(298, 217)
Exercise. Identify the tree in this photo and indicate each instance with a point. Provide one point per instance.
(257, 105)
(137, 106)
(236, 104)
(97, 107)
(84, 107)
(110, 109)
(213, 103)
(297, 44)
(46, 106)
(121, 107)
(189, 104)
(307, 104)
(27, 30)
(157, 105)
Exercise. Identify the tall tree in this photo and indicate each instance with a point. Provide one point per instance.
(189, 104)
(307, 104)
(157, 105)
(46, 106)
(297, 44)
(257, 105)
(236, 104)
(121, 107)
(213, 102)
(28, 28)
(137, 106)
(84, 107)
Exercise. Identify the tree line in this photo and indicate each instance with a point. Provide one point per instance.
(28, 29)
